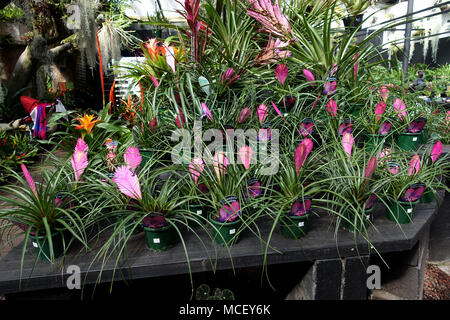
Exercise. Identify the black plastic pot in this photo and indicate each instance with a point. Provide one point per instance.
(352, 22)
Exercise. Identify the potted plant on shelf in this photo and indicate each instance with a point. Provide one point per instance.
(403, 182)
(376, 126)
(225, 185)
(49, 212)
(410, 126)
(352, 189)
(354, 9)
(293, 199)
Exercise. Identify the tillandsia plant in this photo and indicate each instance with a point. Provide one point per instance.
(49, 212)
(352, 190)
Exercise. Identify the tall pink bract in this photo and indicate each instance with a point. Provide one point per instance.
(155, 81)
(281, 73)
(400, 108)
(308, 143)
(277, 110)
(170, 58)
(370, 168)
(436, 151)
(301, 153)
(347, 143)
(153, 125)
(262, 112)
(308, 75)
(379, 110)
(81, 145)
(127, 182)
(227, 75)
(414, 165)
(206, 112)
(79, 163)
(180, 119)
(28, 178)
(220, 164)
(196, 167)
(270, 17)
(132, 158)
(246, 155)
(332, 108)
(244, 115)
(384, 93)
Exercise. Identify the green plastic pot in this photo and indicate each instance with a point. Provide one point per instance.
(409, 141)
(198, 213)
(160, 239)
(374, 142)
(42, 245)
(225, 233)
(359, 223)
(294, 227)
(428, 196)
(400, 211)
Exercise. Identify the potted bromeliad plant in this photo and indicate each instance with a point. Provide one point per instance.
(225, 184)
(49, 212)
(404, 180)
(293, 193)
(376, 126)
(410, 124)
(352, 188)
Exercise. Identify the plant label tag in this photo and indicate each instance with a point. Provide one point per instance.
(415, 139)
(199, 212)
(409, 210)
(301, 224)
(368, 217)
(35, 244)
(285, 114)
(232, 231)
(156, 240)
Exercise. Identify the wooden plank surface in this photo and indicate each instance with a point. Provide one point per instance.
(320, 243)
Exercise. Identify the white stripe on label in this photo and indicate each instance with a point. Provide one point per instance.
(409, 210)
(301, 224)
(232, 231)
(415, 139)
(156, 240)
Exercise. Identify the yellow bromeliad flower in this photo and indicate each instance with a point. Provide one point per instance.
(87, 123)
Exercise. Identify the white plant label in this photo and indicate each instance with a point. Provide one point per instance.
(156, 240)
(415, 139)
(199, 212)
(35, 244)
(232, 231)
(409, 210)
(301, 224)
(368, 217)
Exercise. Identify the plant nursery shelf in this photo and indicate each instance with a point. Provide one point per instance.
(319, 243)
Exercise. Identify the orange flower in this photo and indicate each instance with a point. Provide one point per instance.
(86, 123)
(155, 48)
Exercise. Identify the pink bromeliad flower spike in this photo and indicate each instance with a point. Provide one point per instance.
(301, 153)
(262, 113)
(308, 143)
(332, 108)
(127, 182)
(370, 168)
(281, 72)
(132, 158)
(180, 119)
(227, 75)
(81, 145)
(220, 164)
(246, 155)
(400, 108)
(79, 163)
(28, 178)
(379, 110)
(196, 167)
(436, 151)
(206, 112)
(170, 58)
(347, 143)
(155, 81)
(308, 75)
(244, 115)
(414, 165)
(384, 93)
(153, 125)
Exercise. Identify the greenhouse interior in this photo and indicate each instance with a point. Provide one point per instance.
(184, 151)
